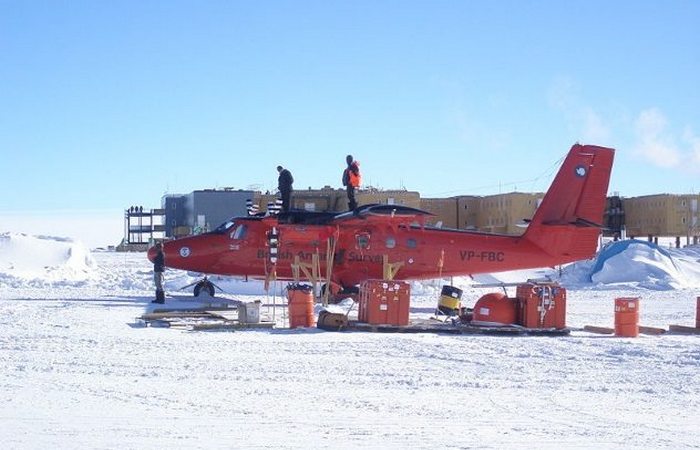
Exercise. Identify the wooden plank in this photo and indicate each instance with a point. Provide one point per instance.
(227, 315)
(598, 330)
(651, 330)
(683, 329)
(213, 326)
(174, 314)
(231, 326)
(205, 307)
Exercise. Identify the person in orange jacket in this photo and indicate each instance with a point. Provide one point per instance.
(351, 180)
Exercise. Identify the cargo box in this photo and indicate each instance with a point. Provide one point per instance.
(541, 305)
(384, 302)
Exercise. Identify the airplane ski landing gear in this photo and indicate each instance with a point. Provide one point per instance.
(203, 286)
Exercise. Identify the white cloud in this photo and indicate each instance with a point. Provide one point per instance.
(649, 134)
(562, 94)
(594, 130)
(694, 142)
(582, 120)
(653, 142)
(656, 142)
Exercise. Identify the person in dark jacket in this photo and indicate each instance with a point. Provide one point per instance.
(351, 180)
(284, 184)
(158, 269)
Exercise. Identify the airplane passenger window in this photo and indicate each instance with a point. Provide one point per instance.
(240, 232)
(411, 243)
(390, 242)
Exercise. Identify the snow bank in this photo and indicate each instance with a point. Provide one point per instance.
(634, 264)
(39, 260)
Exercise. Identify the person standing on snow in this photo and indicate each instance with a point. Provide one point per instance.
(158, 269)
(284, 184)
(351, 180)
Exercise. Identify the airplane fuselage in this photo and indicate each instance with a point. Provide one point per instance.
(359, 253)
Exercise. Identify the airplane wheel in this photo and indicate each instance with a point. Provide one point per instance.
(203, 285)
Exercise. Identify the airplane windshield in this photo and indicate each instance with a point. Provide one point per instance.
(240, 232)
(225, 226)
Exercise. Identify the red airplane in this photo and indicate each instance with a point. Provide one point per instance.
(348, 248)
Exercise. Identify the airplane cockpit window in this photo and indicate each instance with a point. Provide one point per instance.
(225, 226)
(239, 232)
(390, 242)
(411, 243)
(362, 241)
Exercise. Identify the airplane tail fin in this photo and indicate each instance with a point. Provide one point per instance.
(567, 223)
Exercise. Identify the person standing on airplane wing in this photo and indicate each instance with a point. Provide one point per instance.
(284, 184)
(352, 180)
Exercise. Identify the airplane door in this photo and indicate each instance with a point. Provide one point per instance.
(362, 241)
(363, 244)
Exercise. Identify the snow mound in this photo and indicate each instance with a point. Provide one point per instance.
(637, 264)
(41, 260)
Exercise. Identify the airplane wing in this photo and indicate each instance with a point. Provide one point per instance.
(382, 213)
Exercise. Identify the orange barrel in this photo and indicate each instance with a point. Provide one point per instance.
(627, 316)
(301, 305)
(697, 313)
(449, 302)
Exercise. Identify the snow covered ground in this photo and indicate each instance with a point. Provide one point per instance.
(75, 374)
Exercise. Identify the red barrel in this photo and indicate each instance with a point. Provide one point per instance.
(301, 306)
(627, 317)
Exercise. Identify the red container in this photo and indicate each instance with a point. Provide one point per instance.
(301, 306)
(384, 302)
(541, 305)
(495, 309)
(627, 317)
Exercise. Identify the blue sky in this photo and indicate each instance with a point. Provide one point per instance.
(108, 104)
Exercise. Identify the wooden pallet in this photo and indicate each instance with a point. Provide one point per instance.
(231, 326)
(605, 330)
(682, 329)
(218, 319)
(449, 328)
